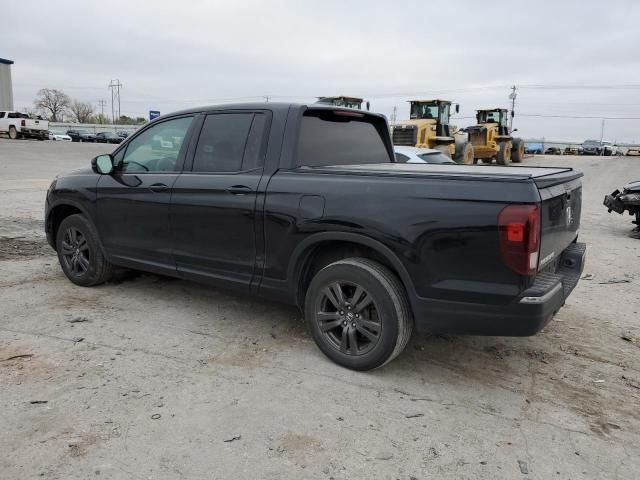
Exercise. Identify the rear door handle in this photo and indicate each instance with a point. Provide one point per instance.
(239, 190)
(158, 187)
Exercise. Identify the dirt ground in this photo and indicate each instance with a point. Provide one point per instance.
(154, 378)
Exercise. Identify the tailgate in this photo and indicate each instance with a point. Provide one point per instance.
(37, 124)
(560, 215)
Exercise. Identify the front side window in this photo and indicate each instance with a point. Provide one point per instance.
(157, 148)
(230, 142)
(444, 114)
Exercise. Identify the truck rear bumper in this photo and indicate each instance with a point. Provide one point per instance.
(525, 316)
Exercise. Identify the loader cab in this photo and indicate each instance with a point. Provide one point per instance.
(499, 116)
(437, 110)
(344, 101)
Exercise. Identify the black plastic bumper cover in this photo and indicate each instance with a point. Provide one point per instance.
(526, 316)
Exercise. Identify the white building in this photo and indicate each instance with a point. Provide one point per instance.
(6, 85)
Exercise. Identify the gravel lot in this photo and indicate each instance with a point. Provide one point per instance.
(157, 378)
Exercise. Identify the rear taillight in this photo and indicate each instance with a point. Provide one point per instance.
(519, 227)
(23, 123)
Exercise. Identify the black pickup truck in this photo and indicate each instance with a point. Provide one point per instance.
(305, 204)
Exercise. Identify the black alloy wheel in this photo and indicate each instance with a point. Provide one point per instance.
(347, 316)
(80, 253)
(358, 313)
(75, 252)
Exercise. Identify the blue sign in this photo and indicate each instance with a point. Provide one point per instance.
(153, 114)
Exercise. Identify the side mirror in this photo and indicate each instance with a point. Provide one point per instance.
(457, 108)
(514, 130)
(102, 164)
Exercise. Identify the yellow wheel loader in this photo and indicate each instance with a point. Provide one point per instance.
(343, 101)
(491, 138)
(428, 127)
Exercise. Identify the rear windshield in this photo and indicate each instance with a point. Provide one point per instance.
(434, 157)
(328, 138)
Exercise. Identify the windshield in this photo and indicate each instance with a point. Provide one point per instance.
(491, 116)
(424, 110)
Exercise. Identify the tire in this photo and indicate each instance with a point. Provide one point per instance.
(517, 150)
(504, 154)
(465, 154)
(13, 133)
(77, 239)
(381, 326)
(444, 149)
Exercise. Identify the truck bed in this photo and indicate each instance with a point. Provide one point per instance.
(542, 176)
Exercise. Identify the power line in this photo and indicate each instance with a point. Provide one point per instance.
(598, 117)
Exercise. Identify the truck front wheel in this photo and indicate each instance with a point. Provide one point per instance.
(517, 150)
(358, 313)
(504, 154)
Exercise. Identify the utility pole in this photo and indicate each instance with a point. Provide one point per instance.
(512, 96)
(115, 85)
(394, 115)
(102, 103)
(601, 136)
(267, 97)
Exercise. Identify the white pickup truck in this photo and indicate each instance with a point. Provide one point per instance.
(17, 125)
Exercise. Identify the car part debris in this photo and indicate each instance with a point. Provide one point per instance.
(628, 199)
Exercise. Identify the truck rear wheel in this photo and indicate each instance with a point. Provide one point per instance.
(13, 133)
(444, 149)
(358, 313)
(465, 154)
(504, 154)
(517, 150)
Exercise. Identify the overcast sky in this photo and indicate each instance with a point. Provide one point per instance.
(170, 55)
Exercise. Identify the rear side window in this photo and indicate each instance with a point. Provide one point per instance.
(230, 142)
(327, 138)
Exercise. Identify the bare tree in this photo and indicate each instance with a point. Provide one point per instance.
(52, 102)
(82, 111)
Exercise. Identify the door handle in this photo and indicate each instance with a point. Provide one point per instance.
(239, 190)
(158, 187)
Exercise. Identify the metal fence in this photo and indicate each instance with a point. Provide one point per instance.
(62, 127)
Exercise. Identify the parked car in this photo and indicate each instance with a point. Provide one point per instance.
(534, 148)
(553, 151)
(596, 147)
(108, 137)
(633, 151)
(591, 147)
(305, 204)
(628, 199)
(19, 125)
(123, 134)
(571, 151)
(81, 136)
(420, 155)
(59, 137)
